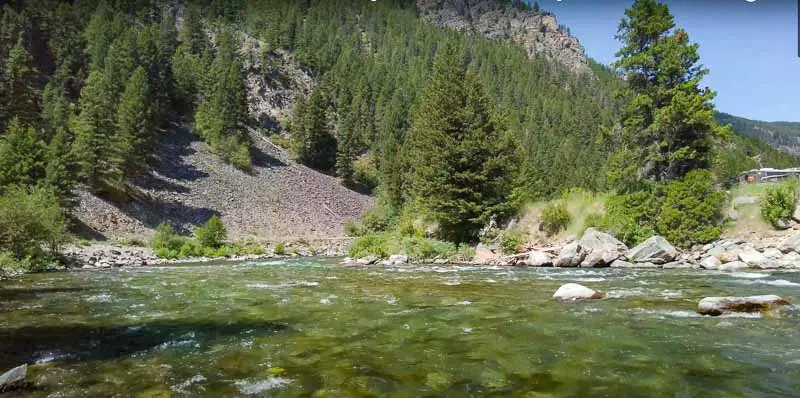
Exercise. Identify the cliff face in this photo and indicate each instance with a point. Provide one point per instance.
(539, 34)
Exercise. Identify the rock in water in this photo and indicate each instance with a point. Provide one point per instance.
(790, 244)
(570, 256)
(13, 379)
(539, 259)
(575, 292)
(656, 250)
(720, 305)
(368, 260)
(602, 249)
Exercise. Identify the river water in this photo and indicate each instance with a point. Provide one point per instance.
(311, 328)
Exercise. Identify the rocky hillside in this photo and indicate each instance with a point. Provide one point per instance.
(784, 136)
(279, 200)
(538, 33)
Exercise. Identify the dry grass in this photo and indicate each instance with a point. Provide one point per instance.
(579, 203)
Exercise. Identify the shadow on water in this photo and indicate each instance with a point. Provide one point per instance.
(29, 294)
(79, 342)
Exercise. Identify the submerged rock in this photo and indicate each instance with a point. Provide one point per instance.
(656, 250)
(720, 305)
(602, 249)
(570, 256)
(13, 379)
(539, 259)
(575, 292)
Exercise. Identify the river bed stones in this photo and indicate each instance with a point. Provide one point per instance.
(572, 292)
(752, 258)
(539, 259)
(721, 305)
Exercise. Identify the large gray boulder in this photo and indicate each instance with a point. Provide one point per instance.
(601, 249)
(656, 250)
(790, 243)
(732, 266)
(539, 259)
(752, 258)
(13, 379)
(570, 256)
(721, 305)
(576, 292)
(710, 262)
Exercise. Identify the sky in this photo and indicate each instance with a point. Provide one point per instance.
(750, 48)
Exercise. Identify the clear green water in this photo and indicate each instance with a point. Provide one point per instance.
(308, 328)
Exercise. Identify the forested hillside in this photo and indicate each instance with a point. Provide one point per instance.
(92, 91)
(782, 135)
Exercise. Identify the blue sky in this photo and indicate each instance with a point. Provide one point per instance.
(750, 48)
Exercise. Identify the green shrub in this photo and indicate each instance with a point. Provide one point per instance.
(365, 173)
(779, 202)
(555, 218)
(464, 252)
(32, 224)
(511, 241)
(136, 242)
(279, 249)
(212, 233)
(367, 245)
(166, 240)
(10, 266)
(692, 210)
(631, 217)
(595, 220)
(353, 228)
(419, 248)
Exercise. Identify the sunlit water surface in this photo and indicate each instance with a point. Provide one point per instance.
(310, 328)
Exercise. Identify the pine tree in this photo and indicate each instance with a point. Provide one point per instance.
(134, 125)
(668, 124)
(60, 173)
(18, 97)
(95, 128)
(461, 160)
(312, 142)
(21, 156)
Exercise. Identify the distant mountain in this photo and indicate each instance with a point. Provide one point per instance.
(784, 136)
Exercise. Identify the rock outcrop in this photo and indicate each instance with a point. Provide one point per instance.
(576, 292)
(721, 305)
(538, 33)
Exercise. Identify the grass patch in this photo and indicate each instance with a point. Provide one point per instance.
(586, 209)
(167, 244)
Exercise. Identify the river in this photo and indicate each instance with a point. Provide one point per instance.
(311, 328)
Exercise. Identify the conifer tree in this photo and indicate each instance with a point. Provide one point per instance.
(134, 125)
(668, 124)
(312, 142)
(95, 128)
(461, 160)
(18, 97)
(21, 156)
(60, 173)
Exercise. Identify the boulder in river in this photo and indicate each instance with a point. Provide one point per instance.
(570, 256)
(656, 250)
(575, 292)
(710, 262)
(539, 259)
(720, 305)
(790, 243)
(601, 248)
(732, 266)
(752, 258)
(772, 253)
(368, 260)
(395, 259)
(13, 379)
(622, 264)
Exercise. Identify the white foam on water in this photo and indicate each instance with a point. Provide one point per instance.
(451, 283)
(181, 388)
(465, 302)
(491, 281)
(742, 315)
(748, 275)
(248, 387)
(467, 330)
(50, 357)
(622, 293)
(99, 298)
(282, 285)
(772, 282)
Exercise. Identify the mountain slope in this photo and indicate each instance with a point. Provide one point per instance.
(537, 32)
(784, 136)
